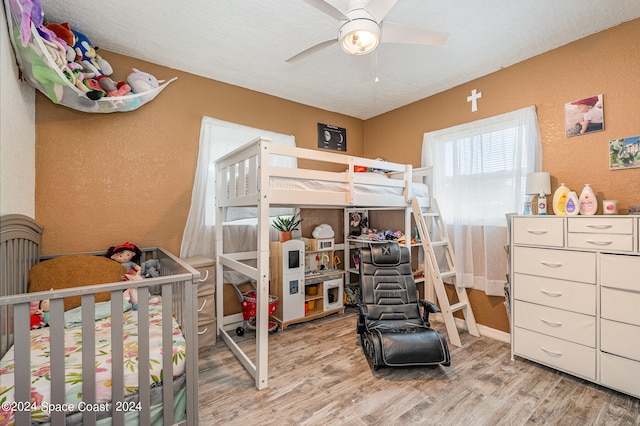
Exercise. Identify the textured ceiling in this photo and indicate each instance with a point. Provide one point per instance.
(246, 43)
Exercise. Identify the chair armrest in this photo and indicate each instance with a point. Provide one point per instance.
(429, 306)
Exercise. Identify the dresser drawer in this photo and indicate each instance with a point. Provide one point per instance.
(206, 307)
(561, 264)
(620, 305)
(557, 353)
(620, 339)
(601, 225)
(620, 271)
(568, 295)
(615, 242)
(538, 231)
(620, 373)
(577, 328)
(206, 335)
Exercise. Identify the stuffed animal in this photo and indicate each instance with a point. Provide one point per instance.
(141, 81)
(43, 311)
(131, 295)
(63, 31)
(128, 255)
(36, 319)
(111, 88)
(87, 56)
(151, 268)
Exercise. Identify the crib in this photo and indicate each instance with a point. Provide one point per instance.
(46, 379)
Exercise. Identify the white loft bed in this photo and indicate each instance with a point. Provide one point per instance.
(244, 178)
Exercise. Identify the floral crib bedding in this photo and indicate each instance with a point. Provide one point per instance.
(40, 366)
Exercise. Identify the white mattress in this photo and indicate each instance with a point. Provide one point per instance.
(376, 188)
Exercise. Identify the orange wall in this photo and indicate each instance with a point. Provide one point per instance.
(102, 179)
(105, 179)
(607, 63)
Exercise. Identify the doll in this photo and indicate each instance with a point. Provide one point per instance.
(128, 255)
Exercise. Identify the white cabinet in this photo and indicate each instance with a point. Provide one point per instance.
(575, 296)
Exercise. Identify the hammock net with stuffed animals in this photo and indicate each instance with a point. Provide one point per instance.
(35, 56)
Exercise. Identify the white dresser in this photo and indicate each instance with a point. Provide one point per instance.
(576, 296)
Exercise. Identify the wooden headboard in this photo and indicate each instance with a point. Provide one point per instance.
(19, 251)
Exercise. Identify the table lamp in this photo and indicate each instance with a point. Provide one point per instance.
(538, 184)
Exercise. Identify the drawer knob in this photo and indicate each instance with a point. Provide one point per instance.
(550, 352)
(203, 305)
(206, 275)
(551, 293)
(537, 232)
(551, 265)
(203, 331)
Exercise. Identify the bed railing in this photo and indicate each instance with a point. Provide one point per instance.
(177, 284)
(239, 174)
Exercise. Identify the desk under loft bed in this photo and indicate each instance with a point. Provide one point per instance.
(245, 178)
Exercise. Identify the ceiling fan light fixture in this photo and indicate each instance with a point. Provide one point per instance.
(359, 36)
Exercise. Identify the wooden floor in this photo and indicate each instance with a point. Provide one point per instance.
(318, 375)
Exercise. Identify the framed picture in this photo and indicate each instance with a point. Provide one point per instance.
(584, 116)
(332, 137)
(624, 153)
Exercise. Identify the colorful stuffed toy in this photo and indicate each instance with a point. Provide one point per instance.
(111, 87)
(43, 311)
(36, 318)
(87, 56)
(131, 295)
(128, 255)
(142, 82)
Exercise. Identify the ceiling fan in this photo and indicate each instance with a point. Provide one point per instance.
(362, 28)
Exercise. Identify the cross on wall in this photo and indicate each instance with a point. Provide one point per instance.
(475, 95)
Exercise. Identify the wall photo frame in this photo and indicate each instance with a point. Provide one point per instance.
(584, 116)
(332, 137)
(624, 153)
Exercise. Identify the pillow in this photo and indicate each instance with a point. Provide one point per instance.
(75, 270)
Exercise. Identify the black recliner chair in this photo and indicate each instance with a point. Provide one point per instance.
(392, 331)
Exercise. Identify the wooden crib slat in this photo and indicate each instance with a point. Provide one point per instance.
(144, 392)
(117, 356)
(22, 373)
(88, 356)
(167, 356)
(56, 333)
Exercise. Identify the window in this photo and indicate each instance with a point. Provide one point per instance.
(479, 174)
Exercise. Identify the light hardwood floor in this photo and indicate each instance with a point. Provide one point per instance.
(318, 375)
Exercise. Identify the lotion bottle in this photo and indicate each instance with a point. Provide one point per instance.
(560, 200)
(588, 201)
(572, 207)
(542, 204)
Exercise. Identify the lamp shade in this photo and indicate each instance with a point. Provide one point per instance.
(539, 182)
(359, 36)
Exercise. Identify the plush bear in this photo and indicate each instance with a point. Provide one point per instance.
(87, 56)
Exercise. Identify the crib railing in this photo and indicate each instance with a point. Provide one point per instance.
(177, 285)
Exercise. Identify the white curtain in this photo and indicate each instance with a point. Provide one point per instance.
(217, 138)
(479, 173)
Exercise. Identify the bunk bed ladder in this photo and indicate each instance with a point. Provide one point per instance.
(428, 223)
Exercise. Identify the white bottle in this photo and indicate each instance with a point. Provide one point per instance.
(572, 206)
(588, 201)
(542, 204)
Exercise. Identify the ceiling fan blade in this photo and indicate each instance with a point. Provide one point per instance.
(380, 8)
(397, 33)
(328, 8)
(311, 50)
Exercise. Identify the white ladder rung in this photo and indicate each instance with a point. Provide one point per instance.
(439, 243)
(448, 274)
(458, 306)
(430, 214)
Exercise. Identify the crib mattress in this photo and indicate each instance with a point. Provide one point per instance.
(40, 366)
